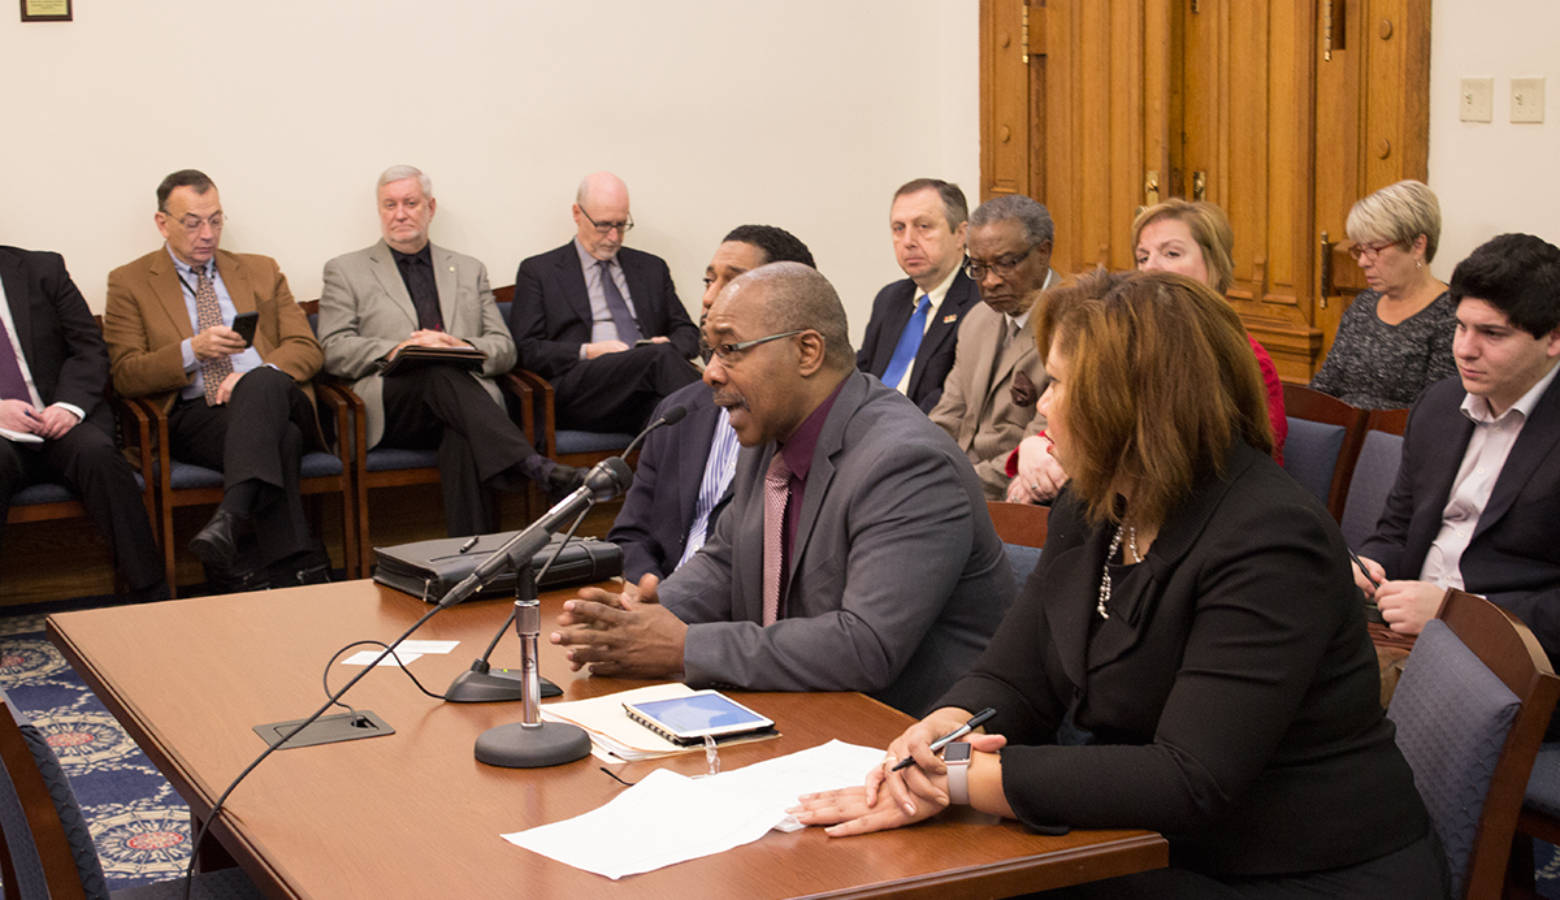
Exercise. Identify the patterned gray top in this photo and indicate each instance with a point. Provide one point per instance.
(1374, 365)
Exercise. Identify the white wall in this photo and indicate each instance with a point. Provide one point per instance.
(1493, 177)
(804, 114)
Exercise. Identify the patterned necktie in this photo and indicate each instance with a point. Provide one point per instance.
(777, 493)
(208, 314)
(627, 328)
(909, 344)
(13, 384)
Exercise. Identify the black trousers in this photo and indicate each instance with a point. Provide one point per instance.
(260, 435)
(86, 460)
(618, 391)
(479, 446)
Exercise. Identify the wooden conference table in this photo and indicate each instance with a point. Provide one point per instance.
(413, 814)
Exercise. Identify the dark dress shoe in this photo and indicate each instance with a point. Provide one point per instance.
(216, 544)
(562, 481)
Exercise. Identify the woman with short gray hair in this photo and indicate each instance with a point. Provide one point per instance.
(1396, 338)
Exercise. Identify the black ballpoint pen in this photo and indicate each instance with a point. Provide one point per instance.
(975, 722)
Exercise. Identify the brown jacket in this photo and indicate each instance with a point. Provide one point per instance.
(145, 319)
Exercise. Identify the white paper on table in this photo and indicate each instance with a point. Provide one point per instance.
(366, 657)
(668, 818)
(426, 647)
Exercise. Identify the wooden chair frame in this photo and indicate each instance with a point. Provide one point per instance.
(1019, 523)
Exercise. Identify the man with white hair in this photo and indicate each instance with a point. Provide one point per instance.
(601, 321)
(407, 292)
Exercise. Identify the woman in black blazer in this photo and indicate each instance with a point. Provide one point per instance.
(1190, 655)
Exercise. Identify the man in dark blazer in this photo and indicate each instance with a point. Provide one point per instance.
(856, 553)
(683, 478)
(53, 375)
(600, 321)
(1477, 497)
(927, 221)
(169, 323)
(405, 291)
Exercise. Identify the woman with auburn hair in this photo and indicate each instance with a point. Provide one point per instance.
(1192, 239)
(1395, 339)
(1190, 655)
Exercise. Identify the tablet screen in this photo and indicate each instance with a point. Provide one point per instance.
(700, 712)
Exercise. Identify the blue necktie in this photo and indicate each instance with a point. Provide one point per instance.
(909, 343)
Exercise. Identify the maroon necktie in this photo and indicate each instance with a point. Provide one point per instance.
(777, 492)
(13, 384)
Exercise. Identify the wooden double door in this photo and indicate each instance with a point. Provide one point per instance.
(1283, 112)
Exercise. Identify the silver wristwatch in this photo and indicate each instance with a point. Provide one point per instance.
(956, 756)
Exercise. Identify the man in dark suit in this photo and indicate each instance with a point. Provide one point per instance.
(169, 325)
(53, 374)
(856, 554)
(405, 291)
(1478, 494)
(600, 321)
(914, 327)
(683, 479)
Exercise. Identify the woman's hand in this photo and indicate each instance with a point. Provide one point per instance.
(847, 811)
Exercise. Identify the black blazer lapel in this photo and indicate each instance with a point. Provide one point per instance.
(1534, 445)
(571, 277)
(943, 330)
(1442, 452)
(641, 294)
(18, 295)
(894, 320)
(693, 459)
(1072, 573)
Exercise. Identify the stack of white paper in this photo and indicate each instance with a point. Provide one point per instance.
(668, 818)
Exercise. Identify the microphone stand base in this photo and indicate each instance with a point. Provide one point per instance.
(496, 685)
(517, 746)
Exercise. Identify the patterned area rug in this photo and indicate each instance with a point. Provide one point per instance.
(140, 826)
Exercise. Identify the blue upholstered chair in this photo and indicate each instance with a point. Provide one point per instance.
(1375, 469)
(47, 847)
(1471, 709)
(1324, 437)
(1022, 528)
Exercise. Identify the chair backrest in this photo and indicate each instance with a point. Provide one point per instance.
(1324, 438)
(49, 851)
(1471, 708)
(1022, 528)
(1375, 470)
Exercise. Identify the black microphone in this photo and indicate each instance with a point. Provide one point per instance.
(604, 481)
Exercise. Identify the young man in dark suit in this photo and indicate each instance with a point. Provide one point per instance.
(600, 321)
(1478, 494)
(56, 427)
(914, 327)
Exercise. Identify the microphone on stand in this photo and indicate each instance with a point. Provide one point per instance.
(479, 683)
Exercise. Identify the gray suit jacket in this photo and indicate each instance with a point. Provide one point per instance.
(365, 311)
(897, 578)
(977, 406)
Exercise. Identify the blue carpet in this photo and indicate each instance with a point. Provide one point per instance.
(140, 826)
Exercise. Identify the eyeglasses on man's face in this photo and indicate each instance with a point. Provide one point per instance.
(1004, 266)
(623, 227)
(192, 223)
(729, 353)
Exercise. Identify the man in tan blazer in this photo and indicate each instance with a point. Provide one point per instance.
(404, 291)
(989, 398)
(247, 410)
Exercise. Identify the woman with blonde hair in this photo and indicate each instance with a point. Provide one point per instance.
(1190, 655)
(1395, 339)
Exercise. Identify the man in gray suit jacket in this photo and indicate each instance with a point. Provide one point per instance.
(403, 291)
(884, 573)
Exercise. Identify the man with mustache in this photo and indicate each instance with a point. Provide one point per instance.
(989, 399)
(856, 554)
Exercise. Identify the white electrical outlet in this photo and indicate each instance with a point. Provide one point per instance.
(1527, 99)
(1476, 100)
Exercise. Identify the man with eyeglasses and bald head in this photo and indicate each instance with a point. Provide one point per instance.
(239, 403)
(600, 321)
(989, 400)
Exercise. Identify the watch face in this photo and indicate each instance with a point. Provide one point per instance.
(957, 753)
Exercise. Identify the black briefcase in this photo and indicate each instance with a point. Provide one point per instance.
(428, 569)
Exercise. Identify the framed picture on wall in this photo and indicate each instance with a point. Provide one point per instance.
(46, 10)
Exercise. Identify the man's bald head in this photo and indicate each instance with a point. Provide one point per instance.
(601, 216)
(796, 297)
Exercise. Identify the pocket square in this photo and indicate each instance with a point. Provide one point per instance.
(1023, 390)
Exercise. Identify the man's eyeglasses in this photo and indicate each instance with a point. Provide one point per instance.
(731, 352)
(623, 227)
(192, 223)
(1003, 266)
(1362, 251)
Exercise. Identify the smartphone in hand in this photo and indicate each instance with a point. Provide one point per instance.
(244, 324)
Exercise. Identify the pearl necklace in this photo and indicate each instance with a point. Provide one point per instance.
(1115, 544)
